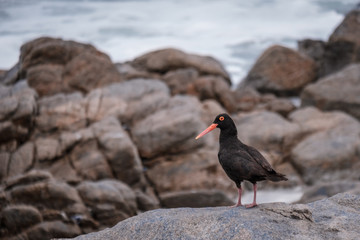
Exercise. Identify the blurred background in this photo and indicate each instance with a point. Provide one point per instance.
(234, 32)
(101, 101)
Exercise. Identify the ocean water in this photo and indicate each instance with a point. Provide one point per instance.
(235, 32)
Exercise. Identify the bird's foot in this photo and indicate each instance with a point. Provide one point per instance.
(251, 205)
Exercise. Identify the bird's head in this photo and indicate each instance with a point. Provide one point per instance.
(222, 121)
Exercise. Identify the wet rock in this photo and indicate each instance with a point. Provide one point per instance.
(165, 60)
(15, 218)
(195, 198)
(332, 218)
(338, 91)
(110, 200)
(281, 71)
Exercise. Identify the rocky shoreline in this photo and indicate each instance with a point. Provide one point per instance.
(86, 143)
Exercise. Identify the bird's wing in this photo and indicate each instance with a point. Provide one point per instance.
(259, 158)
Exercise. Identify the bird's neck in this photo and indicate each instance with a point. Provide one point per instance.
(226, 135)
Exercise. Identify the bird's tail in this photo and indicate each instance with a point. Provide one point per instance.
(276, 177)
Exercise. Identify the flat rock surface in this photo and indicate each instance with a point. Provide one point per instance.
(333, 218)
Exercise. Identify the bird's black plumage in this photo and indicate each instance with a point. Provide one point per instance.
(240, 161)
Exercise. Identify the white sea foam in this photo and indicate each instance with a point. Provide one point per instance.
(235, 32)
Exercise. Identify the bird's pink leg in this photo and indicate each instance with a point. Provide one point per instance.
(239, 198)
(254, 201)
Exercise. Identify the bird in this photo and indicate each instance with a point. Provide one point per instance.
(240, 161)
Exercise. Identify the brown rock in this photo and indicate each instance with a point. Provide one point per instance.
(90, 70)
(50, 194)
(127, 71)
(146, 202)
(349, 28)
(54, 65)
(280, 70)
(64, 171)
(63, 112)
(53, 229)
(338, 91)
(4, 159)
(110, 200)
(22, 159)
(171, 59)
(47, 148)
(119, 150)
(89, 162)
(18, 217)
(46, 79)
(30, 177)
(180, 80)
(179, 171)
(195, 199)
(212, 87)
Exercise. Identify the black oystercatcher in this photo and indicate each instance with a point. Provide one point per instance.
(240, 162)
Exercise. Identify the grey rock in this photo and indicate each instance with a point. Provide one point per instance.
(338, 91)
(22, 159)
(53, 229)
(195, 198)
(333, 218)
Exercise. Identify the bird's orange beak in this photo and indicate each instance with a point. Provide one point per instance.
(209, 129)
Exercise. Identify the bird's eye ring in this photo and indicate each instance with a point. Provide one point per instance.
(221, 118)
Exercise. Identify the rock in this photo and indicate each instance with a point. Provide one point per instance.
(120, 151)
(195, 198)
(264, 130)
(349, 28)
(30, 177)
(165, 60)
(328, 155)
(281, 71)
(325, 190)
(90, 70)
(89, 162)
(213, 87)
(333, 218)
(54, 65)
(50, 194)
(338, 91)
(170, 130)
(47, 148)
(110, 200)
(179, 171)
(180, 80)
(146, 202)
(11, 76)
(63, 170)
(129, 101)
(18, 217)
(21, 160)
(61, 112)
(4, 159)
(53, 229)
(47, 79)
(314, 49)
(127, 71)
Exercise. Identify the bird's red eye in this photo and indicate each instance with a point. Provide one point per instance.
(221, 118)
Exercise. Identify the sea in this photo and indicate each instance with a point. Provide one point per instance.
(235, 32)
